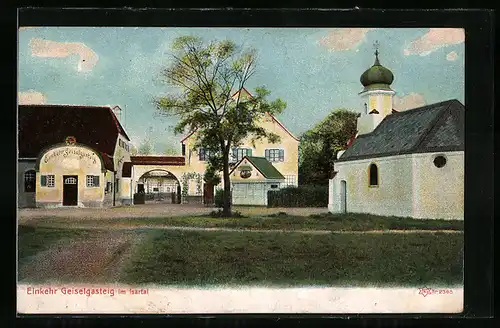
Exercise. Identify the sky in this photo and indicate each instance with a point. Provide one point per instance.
(314, 70)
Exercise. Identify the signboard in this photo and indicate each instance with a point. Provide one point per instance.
(71, 156)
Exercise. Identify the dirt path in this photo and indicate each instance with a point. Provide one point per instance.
(95, 260)
(312, 232)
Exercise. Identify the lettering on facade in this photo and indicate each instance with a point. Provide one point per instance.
(78, 153)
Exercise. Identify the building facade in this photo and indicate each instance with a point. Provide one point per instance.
(406, 164)
(80, 156)
(70, 156)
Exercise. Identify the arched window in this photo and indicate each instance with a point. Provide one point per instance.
(29, 181)
(373, 175)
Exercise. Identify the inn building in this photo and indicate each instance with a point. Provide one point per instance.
(71, 156)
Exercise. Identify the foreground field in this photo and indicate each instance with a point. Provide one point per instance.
(190, 258)
(276, 221)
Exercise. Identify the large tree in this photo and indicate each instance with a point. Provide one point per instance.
(319, 146)
(206, 76)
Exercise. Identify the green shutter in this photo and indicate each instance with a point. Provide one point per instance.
(249, 152)
(96, 181)
(43, 180)
(282, 155)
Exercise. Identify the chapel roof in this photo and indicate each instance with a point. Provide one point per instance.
(41, 126)
(432, 128)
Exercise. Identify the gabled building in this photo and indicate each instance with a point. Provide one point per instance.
(283, 155)
(71, 156)
(408, 164)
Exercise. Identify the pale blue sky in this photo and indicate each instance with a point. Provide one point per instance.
(313, 70)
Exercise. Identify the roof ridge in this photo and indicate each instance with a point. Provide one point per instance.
(64, 105)
(412, 110)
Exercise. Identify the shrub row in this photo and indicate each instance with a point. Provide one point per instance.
(302, 196)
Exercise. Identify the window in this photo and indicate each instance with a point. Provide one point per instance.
(92, 181)
(440, 161)
(239, 153)
(290, 180)
(109, 187)
(183, 150)
(373, 175)
(47, 181)
(203, 154)
(29, 181)
(275, 155)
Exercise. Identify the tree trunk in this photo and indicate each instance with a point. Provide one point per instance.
(226, 210)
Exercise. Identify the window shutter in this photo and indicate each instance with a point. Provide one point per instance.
(249, 152)
(200, 154)
(235, 153)
(183, 150)
(96, 181)
(267, 154)
(43, 180)
(282, 155)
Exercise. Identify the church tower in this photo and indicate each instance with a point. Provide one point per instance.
(376, 95)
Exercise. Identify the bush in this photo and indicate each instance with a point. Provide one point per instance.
(219, 198)
(234, 214)
(302, 196)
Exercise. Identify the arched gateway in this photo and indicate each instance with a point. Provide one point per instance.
(164, 179)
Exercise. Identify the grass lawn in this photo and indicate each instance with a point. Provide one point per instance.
(197, 258)
(287, 259)
(32, 240)
(281, 220)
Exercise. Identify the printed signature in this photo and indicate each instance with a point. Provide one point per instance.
(433, 291)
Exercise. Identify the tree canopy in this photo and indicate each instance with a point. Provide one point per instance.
(319, 146)
(209, 78)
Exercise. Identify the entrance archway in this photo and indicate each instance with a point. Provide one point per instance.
(158, 186)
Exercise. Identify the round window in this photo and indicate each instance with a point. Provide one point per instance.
(440, 161)
(245, 174)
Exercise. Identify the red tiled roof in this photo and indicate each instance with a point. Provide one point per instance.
(350, 141)
(158, 160)
(108, 161)
(43, 125)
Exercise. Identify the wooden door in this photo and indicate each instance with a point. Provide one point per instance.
(70, 190)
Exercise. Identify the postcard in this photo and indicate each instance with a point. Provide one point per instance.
(176, 170)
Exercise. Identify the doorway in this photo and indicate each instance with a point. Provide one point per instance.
(70, 190)
(208, 194)
(343, 196)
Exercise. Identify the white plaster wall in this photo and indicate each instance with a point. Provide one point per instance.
(439, 192)
(393, 196)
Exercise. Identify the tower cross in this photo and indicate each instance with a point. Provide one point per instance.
(376, 45)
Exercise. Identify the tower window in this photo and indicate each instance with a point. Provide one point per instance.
(373, 175)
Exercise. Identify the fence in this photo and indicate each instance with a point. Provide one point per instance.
(301, 196)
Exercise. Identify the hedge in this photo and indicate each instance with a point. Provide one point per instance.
(302, 196)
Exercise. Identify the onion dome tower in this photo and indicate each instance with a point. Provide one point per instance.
(377, 95)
